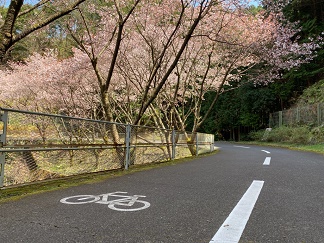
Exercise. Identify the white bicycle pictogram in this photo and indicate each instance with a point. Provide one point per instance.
(123, 203)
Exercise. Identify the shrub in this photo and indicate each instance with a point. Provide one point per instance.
(296, 135)
(254, 136)
(317, 134)
(281, 134)
(300, 135)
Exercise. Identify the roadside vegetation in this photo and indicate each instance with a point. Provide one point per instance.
(300, 137)
(307, 137)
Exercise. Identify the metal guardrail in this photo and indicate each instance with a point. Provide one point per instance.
(38, 146)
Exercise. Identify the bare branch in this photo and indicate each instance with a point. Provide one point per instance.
(37, 5)
(120, 28)
(145, 104)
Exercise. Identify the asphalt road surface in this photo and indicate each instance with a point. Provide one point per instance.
(241, 194)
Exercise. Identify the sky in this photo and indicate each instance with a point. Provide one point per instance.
(6, 2)
(255, 3)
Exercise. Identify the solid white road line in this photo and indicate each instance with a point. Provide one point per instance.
(265, 151)
(241, 147)
(267, 161)
(232, 229)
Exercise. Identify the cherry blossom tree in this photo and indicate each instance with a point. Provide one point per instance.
(157, 60)
(283, 51)
(224, 52)
(215, 56)
(47, 84)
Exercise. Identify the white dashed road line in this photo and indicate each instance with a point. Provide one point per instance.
(267, 161)
(232, 228)
(265, 151)
(241, 147)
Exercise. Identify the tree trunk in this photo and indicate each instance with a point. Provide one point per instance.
(120, 151)
(6, 30)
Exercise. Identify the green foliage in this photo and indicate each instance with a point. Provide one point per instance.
(310, 14)
(302, 135)
(312, 95)
(21, 50)
(254, 10)
(296, 135)
(54, 36)
(317, 135)
(257, 135)
(242, 105)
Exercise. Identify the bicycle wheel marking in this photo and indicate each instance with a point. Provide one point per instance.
(121, 203)
(80, 199)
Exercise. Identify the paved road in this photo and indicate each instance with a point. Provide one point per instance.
(189, 202)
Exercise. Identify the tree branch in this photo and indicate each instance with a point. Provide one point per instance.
(118, 41)
(202, 12)
(33, 8)
(47, 21)
(6, 30)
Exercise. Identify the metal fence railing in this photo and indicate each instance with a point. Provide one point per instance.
(305, 115)
(37, 146)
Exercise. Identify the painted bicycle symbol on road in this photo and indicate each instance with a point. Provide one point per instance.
(122, 203)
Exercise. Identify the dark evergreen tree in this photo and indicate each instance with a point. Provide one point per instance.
(310, 16)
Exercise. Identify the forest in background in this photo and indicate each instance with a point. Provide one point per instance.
(209, 67)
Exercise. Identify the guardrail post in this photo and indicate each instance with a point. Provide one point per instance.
(280, 118)
(173, 144)
(212, 140)
(319, 115)
(4, 119)
(298, 115)
(127, 146)
(2, 164)
(197, 144)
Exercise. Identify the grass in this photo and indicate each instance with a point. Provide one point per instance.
(12, 193)
(299, 137)
(316, 148)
